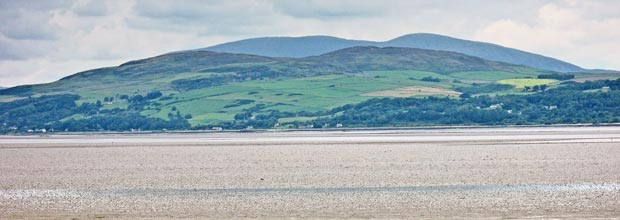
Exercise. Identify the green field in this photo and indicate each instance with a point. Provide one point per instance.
(311, 94)
(521, 83)
(490, 76)
(318, 93)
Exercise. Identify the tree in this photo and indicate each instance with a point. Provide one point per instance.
(153, 95)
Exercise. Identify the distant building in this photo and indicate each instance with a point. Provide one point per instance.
(551, 107)
(496, 106)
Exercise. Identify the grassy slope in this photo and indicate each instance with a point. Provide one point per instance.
(304, 94)
(521, 83)
(334, 80)
(208, 105)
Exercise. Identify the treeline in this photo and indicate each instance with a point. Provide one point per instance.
(565, 105)
(478, 88)
(225, 76)
(122, 121)
(557, 76)
(31, 113)
(61, 113)
(573, 102)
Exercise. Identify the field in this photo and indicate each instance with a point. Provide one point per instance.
(521, 83)
(490, 76)
(309, 94)
(303, 94)
(489, 173)
(215, 104)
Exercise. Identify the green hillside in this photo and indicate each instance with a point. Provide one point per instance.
(211, 88)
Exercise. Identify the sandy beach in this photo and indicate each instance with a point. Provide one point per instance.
(482, 173)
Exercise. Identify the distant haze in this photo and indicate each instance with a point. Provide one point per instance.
(43, 41)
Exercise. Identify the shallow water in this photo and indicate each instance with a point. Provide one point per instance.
(607, 134)
(34, 193)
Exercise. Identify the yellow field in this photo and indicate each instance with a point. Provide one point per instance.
(520, 83)
(412, 91)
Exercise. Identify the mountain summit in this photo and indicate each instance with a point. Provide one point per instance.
(297, 47)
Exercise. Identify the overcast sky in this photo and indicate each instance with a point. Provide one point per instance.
(42, 41)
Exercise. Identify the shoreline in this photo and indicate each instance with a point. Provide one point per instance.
(318, 130)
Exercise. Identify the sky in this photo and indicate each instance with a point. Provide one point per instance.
(43, 41)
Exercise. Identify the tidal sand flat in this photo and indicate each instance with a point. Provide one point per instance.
(490, 173)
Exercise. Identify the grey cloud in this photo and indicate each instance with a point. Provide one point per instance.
(598, 10)
(193, 10)
(10, 52)
(33, 5)
(170, 10)
(31, 20)
(202, 17)
(91, 8)
(24, 23)
(329, 9)
(22, 49)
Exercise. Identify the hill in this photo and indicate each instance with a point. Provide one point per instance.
(483, 50)
(297, 47)
(174, 71)
(230, 67)
(395, 58)
(202, 89)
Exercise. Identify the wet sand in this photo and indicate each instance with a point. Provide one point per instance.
(488, 173)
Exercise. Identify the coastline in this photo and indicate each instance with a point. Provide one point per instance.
(353, 129)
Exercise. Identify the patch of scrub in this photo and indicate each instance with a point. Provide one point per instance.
(595, 78)
(413, 91)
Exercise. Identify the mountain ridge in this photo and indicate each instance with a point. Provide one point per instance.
(348, 60)
(315, 45)
(203, 89)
